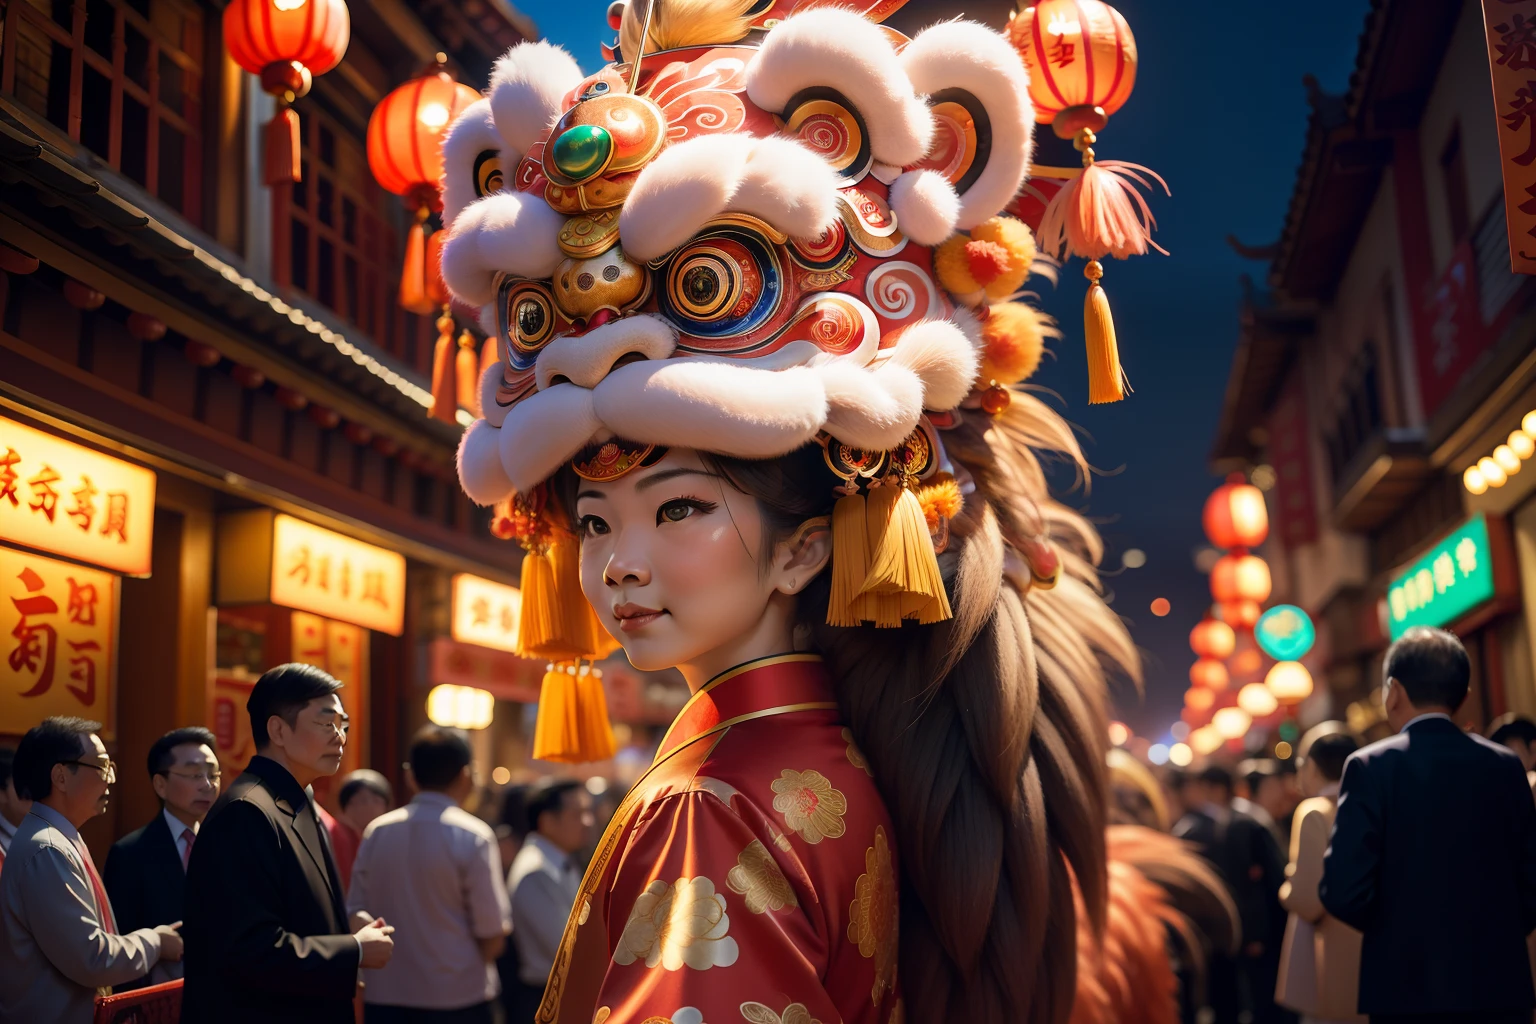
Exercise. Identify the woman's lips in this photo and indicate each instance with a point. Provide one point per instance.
(633, 617)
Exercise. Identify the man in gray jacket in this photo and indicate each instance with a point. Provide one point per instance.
(59, 946)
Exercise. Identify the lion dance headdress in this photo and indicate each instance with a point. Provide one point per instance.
(772, 223)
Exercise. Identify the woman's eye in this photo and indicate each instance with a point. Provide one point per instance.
(682, 508)
(591, 526)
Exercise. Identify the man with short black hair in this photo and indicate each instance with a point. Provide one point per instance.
(363, 796)
(1433, 852)
(146, 872)
(13, 807)
(59, 943)
(1518, 733)
(435, 870)
(544, 882)
(265, 912)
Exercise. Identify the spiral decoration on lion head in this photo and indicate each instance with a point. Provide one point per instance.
(782, 225)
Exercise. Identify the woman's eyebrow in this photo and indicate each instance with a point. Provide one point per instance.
(588, 494)
(669, 474)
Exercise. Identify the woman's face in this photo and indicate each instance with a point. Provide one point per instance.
(671, 559)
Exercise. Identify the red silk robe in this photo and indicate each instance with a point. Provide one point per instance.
(750, 875)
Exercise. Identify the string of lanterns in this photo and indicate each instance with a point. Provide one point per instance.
(1495, 469)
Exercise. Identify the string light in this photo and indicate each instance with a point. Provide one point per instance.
(1180, 754)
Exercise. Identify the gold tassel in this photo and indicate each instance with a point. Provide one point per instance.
(595, 732)
(904, 575)
(537, 624)
(557, 730)
(467, 373)
(489, 355)
(413, 274)
(850, 557)
(1106, 379)
(445, 403)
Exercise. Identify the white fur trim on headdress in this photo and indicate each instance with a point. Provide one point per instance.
(942, 357)
(544, 430)
(926, 206)
(471, 134)
(871, 408)
(693, 182)
(586, 359)
(841, 50)
(480, 469)
(965, 55)
(506, 232)
(528, 87)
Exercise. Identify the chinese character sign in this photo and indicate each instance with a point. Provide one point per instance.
(338, 648)
(485, 612)
(58, 496)
(1511, 31)
(1455, 577)
(319, 571)
(58, 641)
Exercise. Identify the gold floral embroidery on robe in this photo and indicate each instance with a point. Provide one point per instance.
(601, 1015)
(811, 807)
(676, 925)
(855, 755)
(758, 879)
(872, 919)
(794, 1013)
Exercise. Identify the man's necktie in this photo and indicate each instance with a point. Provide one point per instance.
(187, 837)
(103, 907)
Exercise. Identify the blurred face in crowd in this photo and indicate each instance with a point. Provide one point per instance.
(1525, 751)
(568, 827)
(1310, 779)
(191, 784)
(364, 806)
(1275, 796)
(310, 748)
(13, 807)
(81, 788)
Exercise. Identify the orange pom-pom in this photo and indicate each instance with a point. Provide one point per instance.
(940, 500)
(989, 265)
(1013, 340)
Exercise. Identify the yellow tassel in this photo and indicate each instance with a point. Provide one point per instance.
(445, 403)
(902, 562)
(537, 625)
(413, 273)
(850, 558)
(557, 730)
(1106, 380)
(595, 732)
(467, 374)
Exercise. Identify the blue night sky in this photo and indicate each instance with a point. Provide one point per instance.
(1219, 110)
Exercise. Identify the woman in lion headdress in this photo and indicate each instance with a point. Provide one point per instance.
(755, 416)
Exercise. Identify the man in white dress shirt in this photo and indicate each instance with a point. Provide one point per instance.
(59, 944)
(544, 883)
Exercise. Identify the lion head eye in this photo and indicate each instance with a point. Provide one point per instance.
(525, 319)
(488, 176)
(726, 281)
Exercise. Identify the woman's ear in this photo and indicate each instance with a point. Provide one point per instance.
(804, 554)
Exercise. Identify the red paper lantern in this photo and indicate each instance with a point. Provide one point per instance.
(1235, 515)
(405, 139)
(286, 43)
(1240, 614)
(1240, 578)
(1209, 674)
(1050, 34)
(1212, 638)
(1199, 698)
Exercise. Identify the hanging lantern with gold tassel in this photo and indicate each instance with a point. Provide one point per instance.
(1081, 58)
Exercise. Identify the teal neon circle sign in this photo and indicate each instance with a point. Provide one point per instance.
(1285, 633)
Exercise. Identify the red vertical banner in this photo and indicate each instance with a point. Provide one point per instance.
(1510, 26)
(1294, 502)
(338, 648)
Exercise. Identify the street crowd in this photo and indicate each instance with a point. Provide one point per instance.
(265, 906)
(1394, 881)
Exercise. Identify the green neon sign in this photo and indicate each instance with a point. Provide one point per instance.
(1285, 632)
(1452, 579)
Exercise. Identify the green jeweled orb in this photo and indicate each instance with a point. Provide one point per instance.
(582, 152)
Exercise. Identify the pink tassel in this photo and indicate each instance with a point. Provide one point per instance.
(1100, 213)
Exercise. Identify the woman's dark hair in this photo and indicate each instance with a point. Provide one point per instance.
(284, 691)
(1329, 751)
(1432, 667)
(51, 741)
(986, 733)
(438, 755)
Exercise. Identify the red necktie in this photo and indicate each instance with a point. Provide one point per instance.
(187, 837)
(103, 908)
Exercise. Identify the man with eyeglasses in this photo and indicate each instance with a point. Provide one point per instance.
(146, 872)
(60, 944)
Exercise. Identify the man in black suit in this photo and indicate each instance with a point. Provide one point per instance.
(263, 897)
(146, 873)
(1433, 853)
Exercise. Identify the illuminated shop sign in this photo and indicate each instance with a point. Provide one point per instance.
(1453, 578)
(485, 612)
(58, 624)
(60, 497)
